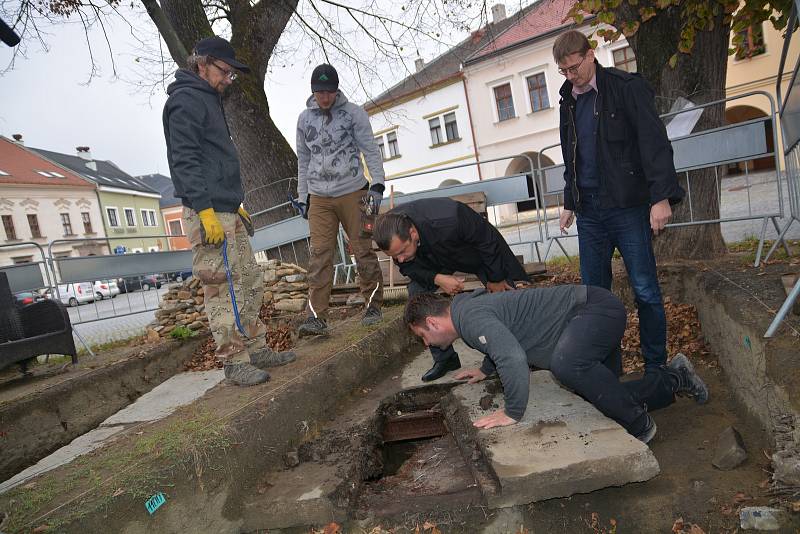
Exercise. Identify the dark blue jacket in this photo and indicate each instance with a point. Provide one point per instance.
(634, 155)
(203, 160)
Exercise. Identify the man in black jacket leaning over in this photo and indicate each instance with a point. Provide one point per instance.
(432, 238)
(620, 179)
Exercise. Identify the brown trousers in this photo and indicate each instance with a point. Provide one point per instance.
(324, 216)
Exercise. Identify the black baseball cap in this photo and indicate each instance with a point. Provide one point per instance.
(324, 78)
(221, 49)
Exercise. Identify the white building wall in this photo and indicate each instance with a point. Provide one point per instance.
(409, 120)
(48, 204)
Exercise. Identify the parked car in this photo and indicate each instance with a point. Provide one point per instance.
(106, 289)
(74, 294)
(179, 276)
(145, 282)
(24, 298)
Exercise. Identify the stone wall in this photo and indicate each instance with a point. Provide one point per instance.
(285, 285)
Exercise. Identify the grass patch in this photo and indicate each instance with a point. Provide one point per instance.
(748, 247)
(182, 333)
(100, 347)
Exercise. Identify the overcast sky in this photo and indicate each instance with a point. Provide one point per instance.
(47, 99)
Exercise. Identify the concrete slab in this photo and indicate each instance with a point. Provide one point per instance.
(167, 397)
(413, 372)
(300, 496)
(562, 446)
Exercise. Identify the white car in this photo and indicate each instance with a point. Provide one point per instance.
(105, 289)
(74, 294)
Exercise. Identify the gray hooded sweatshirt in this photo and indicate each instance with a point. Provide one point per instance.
(515, 330)
(329, 148)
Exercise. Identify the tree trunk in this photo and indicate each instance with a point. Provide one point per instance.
(699, 77)
(266, 158)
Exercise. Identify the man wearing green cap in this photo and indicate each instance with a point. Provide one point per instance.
(332, 135)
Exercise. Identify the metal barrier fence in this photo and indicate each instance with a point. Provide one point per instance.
(708, 149)
(790, 128)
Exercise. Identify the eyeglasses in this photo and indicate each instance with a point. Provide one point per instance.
(227, 72)
(573, 69)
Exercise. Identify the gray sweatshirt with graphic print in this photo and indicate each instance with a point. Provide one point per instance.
(329, 148)
(515, 330)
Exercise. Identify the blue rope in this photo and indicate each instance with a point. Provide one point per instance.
(230, 287)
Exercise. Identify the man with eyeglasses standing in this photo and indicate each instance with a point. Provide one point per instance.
(332, 135)
(204, 165)
(620, 180)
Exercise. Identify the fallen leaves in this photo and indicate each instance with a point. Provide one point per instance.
(598, 528)
(681, 527)
(279, 338)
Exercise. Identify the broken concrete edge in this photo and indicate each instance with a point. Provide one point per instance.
(40, 423)
(458, 420)
(241, 450)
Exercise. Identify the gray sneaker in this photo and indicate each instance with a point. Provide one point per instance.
(372, 316)
(689, 382)
(267, 357)
(649, 431)
(244, 374)
(313, 327)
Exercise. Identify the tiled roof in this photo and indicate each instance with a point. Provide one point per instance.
(447, 65)
(107, 173)
(544, 17)
(162, 184)
(20, 165)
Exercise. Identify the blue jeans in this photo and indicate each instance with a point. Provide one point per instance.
(628, 230)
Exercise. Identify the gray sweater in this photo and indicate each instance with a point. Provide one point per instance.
(515, 330)
(329, 148)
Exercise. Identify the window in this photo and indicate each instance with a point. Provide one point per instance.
(3, 173)
(66, 224)
(8, 226)
(391, 140)
(57, 175)
(504, 102)
(381, 147)
(87, 222)
(175, 227)
(45, 174)
(130, 217)
(749, 42)
(22, 259)
(450, 126)
(537, 92)
(436, 131)
(33, 223)
(624, 59)
(113, 217)
(148, 218)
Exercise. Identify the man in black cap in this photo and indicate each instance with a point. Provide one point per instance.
(205, 171)
(332, 135)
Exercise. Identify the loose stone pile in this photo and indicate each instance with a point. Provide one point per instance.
(285, 285)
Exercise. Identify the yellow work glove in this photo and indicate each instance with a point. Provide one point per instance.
(214, 234)
(248, 224)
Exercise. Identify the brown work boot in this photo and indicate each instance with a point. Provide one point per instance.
(266, 357)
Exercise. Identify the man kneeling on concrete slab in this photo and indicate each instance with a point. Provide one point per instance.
(572, 330)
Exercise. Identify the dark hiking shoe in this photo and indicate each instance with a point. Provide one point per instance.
(244, 374)
(649, 431)
(313, 327)
(372, 316)
(689, 382)
(267, 357)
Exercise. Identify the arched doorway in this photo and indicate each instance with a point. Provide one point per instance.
(521, 165)
(449, 182)
(736, 114)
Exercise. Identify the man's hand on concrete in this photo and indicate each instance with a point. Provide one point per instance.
(449, 283)
(474, 375)
(660, 214)
(498, 418)
(214, 234)
(497, 287)
(565, 220)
